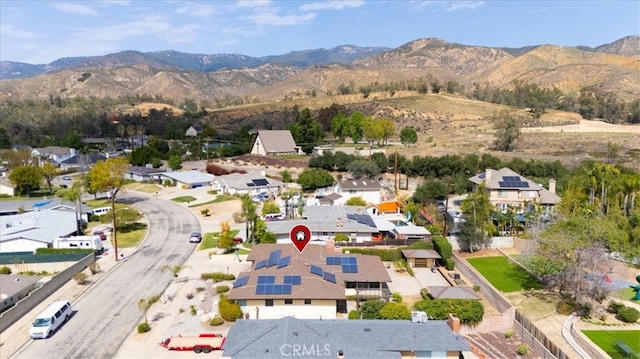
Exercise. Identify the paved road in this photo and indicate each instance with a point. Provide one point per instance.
(107, 314)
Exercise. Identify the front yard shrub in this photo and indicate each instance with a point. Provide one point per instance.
(629, 315)
(341, 237)
(371, 309)
(443, 247)
(566, 306)
(469, 311)
(424, 293)
(63, 250)
(143, 327)
(80, 278)
(614, 307)
(354, 314)
(393, 310)
(449, 263)
(222, 289)
(215, 321)
(229, 311)
(5, 270)
(523, 349)
(217, 276)
(94, 268)
(508, 334)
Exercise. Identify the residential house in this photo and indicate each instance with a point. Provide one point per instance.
(346, 339)
(29, 231)
(274, 142)
(146, 173)
(55, 154)
(247, 183)
(367, 189)
(189, 179)
(507, 188)
(82, 161)
(14, 287)
(313, 284)
(192, 131)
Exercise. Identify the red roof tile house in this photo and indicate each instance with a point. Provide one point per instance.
(310, 285)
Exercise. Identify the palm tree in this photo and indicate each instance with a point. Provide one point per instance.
(176, 269)
(144, 306)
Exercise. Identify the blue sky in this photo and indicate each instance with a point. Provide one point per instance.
(39, 32)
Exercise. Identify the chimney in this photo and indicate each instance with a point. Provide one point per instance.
(487, 175)
(330, 247)
(339, 222)
(454, 323)
(552, 185)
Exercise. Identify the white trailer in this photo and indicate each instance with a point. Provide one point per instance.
(79, 242)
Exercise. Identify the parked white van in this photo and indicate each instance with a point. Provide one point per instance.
(50, 320)
(100, 211)
(273, 217)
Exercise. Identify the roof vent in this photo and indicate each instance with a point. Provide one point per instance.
(367, 330)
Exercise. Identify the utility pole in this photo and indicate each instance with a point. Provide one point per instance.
(395, 171)
(208, 151)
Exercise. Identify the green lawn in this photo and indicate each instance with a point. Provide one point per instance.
(219, 198)
(606, 340)
(210, 240)
(130, 235)
(505, 276)
(183, 199)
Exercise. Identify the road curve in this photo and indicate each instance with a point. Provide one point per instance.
(107, 314)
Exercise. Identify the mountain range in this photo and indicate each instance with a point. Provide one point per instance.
(175, 75)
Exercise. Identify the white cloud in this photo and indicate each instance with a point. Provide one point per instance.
(10, 30)
(197, 10)
(537, 11)
(272, 18)
(421, 5)
(459, 5)
(250, 4)
(332, 5)
(74, 8)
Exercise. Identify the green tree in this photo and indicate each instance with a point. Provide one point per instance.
(262, 233)
(477, 211)
(340, 127)
(26, 178)
(74, 195)
(249, 213)
(312, 178)
(356, 126)
(49, 172)
(142, 155)
(374, 130)
(286, 176)
(408, 136)
(429, 191)
(356, 201)
(363, 169)
(394, 310)
(507, 132)
(270, 206)
(175, 162)
(306, 131)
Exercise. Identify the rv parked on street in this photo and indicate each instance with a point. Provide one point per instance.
(79, 242)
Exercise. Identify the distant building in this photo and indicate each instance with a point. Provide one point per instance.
(247, 183)
(367, 189)
(507, 188)
(274, 142)
(189, 179)
(192, 131)
(82, 161)
(55, 154)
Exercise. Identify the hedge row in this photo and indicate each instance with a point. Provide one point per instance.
(229, 311)
(470, 311)
(217, 276)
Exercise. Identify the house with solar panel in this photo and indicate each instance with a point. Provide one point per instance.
(246, 183)
(274, 143)
(369, 190)
(507, 188)
(313, 284)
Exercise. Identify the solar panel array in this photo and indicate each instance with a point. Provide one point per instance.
(315, 270)
(513, 181)
(330, 277)
(261, 264)
(267, 284)
(241, 281)
(260, 182)
(274, 257)
(284, 261)
(349, 264)
(362, 219)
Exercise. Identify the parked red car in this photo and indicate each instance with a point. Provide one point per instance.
(238, 240)
(103, 237)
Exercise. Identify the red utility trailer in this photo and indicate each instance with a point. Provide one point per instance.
(203, 343)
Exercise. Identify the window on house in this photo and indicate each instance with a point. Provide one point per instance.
(268, 302)
(288, 301)
(307, 301)
(502, 193)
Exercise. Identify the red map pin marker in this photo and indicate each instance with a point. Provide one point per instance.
(300, 236)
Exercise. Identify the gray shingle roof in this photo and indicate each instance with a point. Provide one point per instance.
(42, 226)
(244, 181)
(496, 177)
(361, 184)
(277, 141)
(10, 284)
(420, 253)
(445, 292)
(360, 339)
